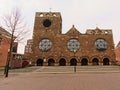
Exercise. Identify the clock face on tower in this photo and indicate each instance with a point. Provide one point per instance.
(73, 45)
(45, 45)
(101, 44)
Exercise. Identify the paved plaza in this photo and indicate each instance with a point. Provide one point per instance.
(69, 81)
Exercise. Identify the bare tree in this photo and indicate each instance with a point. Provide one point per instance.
(15, 25)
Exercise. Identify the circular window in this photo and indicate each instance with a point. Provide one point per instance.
(45, 44)
(73, 45)
(47, 23)
(101, 44)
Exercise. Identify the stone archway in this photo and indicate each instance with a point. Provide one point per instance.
(62, 62)
(51, 62)
(95, 61)
(106, 61)
(84, 62)
(73, 62)
(39, 62)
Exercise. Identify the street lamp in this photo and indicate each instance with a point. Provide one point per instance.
(44, 60)
(74, 56)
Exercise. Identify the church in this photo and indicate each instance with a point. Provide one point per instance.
(52, 48)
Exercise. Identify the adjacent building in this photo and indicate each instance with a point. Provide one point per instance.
(117, 51)
(4, 46)
(16, 59)
(28, 49)
(51, 47)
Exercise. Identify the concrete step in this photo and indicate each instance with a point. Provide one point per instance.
(79, 68)
(64, 69)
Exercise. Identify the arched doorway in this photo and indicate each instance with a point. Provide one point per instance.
(51, 62)
(73, 62)
(105, 61)
(62, 62)
(95, 61)
(84, 62)
(40, 62)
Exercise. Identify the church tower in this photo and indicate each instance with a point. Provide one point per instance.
(48, 22)
(46, 27)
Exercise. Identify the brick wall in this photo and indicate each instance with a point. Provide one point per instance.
(59, 41)
(4, 47)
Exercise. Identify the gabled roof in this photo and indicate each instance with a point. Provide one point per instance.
(118, 45)
(73, 31)
(3, 31)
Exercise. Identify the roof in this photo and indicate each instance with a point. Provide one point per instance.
(3, 31)
(73, 30)
(118, 45)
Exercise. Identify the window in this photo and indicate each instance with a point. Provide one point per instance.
(73, 45)
(0, 41)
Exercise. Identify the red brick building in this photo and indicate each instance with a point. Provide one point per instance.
(5, 38)
(27, 53)
(117, 51)
(51, 47)
(17, 60)
(28, 49)
(4, 46)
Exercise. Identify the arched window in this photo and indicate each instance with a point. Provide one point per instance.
(0, 41)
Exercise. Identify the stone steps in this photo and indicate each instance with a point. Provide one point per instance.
(66, 69)
(80, 69)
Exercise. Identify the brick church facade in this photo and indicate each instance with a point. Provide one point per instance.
(51, 47)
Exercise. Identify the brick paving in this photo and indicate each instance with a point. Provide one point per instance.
(71, 81)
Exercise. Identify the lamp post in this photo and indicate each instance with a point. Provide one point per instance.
(74, 56)
(44, 61)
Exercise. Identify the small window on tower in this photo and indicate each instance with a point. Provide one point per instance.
(47, 14)
(106, 32)
(54, 15)
(41, 14)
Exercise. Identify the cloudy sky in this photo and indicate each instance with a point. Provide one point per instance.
(84, 14)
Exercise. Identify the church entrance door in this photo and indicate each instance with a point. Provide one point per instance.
(95, 61)
(84, 62)
(62, 62)
(73, 62)
(40, 62)
(105, 61)
(51, 62)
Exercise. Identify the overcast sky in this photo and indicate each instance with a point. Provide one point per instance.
(84, 14)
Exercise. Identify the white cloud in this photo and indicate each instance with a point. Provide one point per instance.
(84, 14)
